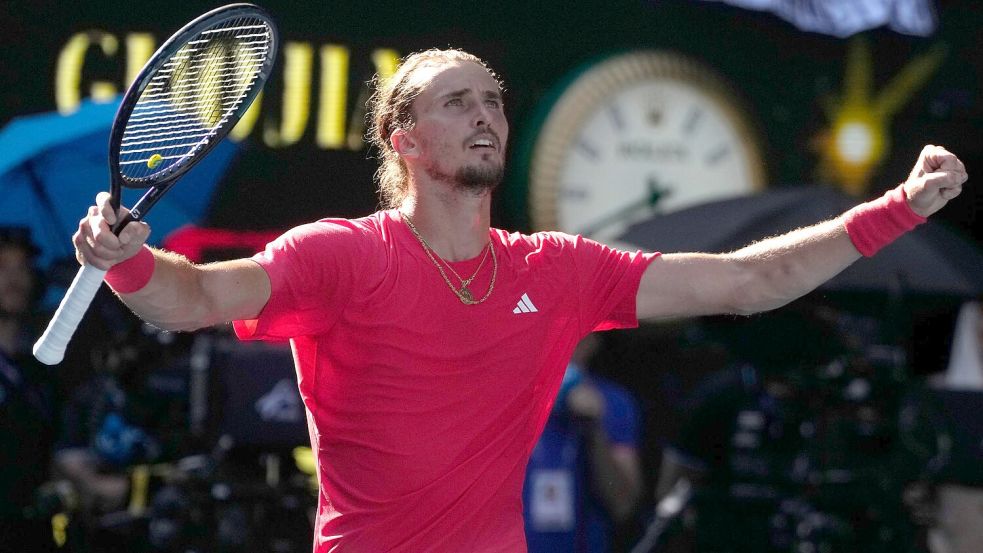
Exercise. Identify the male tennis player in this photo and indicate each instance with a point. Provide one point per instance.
(429, 346)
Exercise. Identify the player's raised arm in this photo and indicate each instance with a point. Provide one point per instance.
(165, 289)
(773, 272)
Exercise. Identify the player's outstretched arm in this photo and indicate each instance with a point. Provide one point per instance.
(165, 289)
(773, 272)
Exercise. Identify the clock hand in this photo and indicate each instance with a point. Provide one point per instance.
(647, 203)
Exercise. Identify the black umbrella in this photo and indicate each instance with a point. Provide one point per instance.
(929, 260)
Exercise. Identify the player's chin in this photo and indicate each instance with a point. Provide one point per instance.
(481, 176)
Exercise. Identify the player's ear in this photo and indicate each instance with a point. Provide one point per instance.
(403, 143)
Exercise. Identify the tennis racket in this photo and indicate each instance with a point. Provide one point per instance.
(185, 100)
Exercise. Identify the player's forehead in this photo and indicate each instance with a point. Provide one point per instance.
(455, 77)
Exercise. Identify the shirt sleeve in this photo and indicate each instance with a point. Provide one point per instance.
(608, 282)
(312, 270)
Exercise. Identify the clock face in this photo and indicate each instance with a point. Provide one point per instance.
(639, 134)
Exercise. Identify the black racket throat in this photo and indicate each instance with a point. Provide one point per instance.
(139, 209)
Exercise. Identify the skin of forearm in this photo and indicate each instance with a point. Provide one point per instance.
(775, 271)
(174, 298)
(618, 490)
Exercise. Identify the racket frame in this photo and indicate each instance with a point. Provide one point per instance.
(161, 182)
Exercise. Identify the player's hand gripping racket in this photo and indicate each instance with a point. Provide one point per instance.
(182, 104)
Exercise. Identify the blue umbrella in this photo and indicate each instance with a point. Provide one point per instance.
(52, 166)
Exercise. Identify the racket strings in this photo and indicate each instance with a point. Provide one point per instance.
(192, 96)
(192, 88)
(168, 86)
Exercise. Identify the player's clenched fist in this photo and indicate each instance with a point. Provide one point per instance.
(95, 243)
(937, 177)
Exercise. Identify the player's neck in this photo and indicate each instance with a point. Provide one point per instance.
(454, 223)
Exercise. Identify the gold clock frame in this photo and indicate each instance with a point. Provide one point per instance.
(599, 81)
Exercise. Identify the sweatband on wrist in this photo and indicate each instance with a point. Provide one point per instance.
(133, 274)
(877, 223)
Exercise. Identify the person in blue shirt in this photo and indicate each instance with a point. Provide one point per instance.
(584, 477)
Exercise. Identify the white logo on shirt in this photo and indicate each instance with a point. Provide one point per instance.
(525, 305)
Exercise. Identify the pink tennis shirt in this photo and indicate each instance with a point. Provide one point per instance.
(422, 410)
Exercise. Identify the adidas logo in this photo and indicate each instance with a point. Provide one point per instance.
(525, 305)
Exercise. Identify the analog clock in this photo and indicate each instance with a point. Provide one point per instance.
(635, 134)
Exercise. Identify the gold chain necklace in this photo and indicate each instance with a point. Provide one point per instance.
(462, 293)
(467, 281)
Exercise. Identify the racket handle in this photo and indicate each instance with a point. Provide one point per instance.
(50, 347)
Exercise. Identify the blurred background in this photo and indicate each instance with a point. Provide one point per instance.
(848, 422)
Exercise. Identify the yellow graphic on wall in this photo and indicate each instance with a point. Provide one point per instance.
(857, 138)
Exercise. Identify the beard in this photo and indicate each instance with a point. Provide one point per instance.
(475, 179)
(479, 179)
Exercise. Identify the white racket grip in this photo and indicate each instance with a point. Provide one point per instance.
(50, 347)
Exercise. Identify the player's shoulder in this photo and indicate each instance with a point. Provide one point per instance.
(556, 246)
(333, 228)
(368, 225)
(335, 235)
(544, 241)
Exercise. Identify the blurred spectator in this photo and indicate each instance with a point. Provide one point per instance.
(584, 476)
(27, 405)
